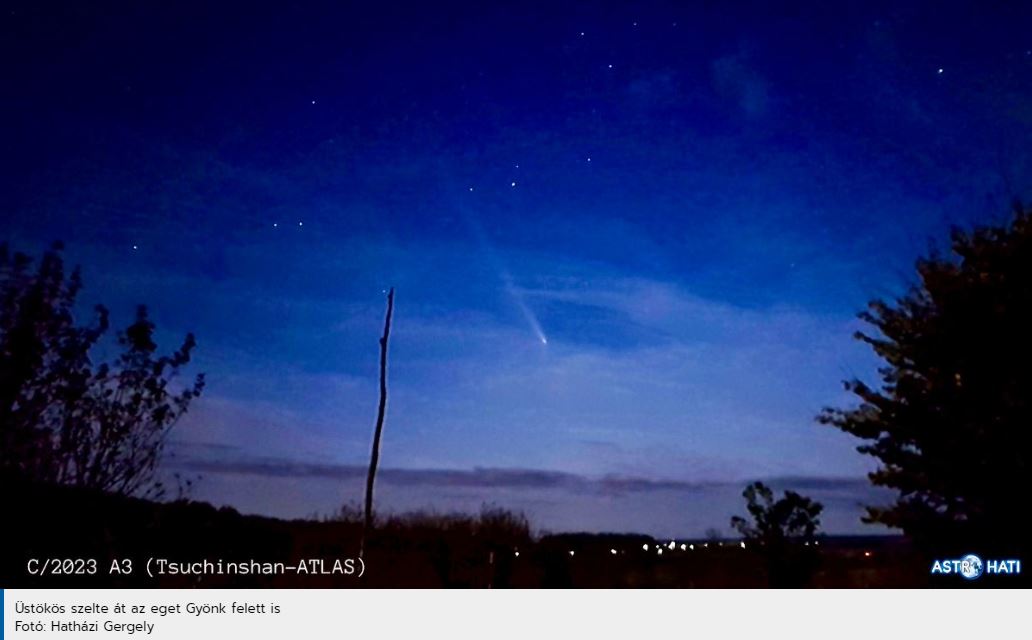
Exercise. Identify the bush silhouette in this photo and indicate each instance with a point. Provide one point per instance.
(62, 418)
(783, 532)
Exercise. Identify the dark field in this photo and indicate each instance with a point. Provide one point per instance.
(492, 549)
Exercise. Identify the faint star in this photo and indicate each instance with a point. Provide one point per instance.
(513, 184)
(582, 34)
(313, 101)
(300, 224)
(471, 188)
(275, 225)
(610, 66)
(135, 247)
(940, 71)
(589, 159)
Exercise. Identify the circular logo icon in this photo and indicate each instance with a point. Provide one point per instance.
(970, 566)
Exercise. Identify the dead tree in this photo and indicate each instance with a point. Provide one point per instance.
(375, 456)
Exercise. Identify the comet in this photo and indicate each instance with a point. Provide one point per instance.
(508, 283)
(521, 304)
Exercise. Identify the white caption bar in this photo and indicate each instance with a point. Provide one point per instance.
(168, 614)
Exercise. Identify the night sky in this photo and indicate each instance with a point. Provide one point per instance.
(629, 240)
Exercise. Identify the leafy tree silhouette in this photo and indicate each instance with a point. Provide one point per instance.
(783, 532)
(63, 419)
(951, 418)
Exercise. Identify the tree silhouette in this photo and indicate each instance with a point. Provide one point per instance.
(783, 531)
(951, 418)
(63, 419)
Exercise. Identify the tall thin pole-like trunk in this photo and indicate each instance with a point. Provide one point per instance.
(367, 524)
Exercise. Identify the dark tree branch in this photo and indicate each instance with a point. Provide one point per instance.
(375, 456)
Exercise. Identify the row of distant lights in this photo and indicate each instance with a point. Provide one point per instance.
(673, 546)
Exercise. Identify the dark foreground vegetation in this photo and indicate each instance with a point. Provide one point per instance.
(417, 550)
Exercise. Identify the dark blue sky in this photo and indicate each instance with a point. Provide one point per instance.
(629, 240)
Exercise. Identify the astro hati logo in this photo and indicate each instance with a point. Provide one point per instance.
(971, 567)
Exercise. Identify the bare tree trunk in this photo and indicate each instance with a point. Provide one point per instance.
(375, 457)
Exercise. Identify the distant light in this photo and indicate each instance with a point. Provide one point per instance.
(659, 551)
(671, 545)
(313, 101)
(940, 70)
(644, 547)
(517, 554)
(471, 188)
(705, 544)
(612, 551)
(867, 554)
(135, 247)
(571, 552)
(275, 225)
(589, 159)
(610, 66)
(742, 544)
(806, 544)
(517, 166)
(683, 546)
(513, 184)
(300, 224)
(582, 34)
(815, 543)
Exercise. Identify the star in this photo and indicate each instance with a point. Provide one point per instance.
(940, 70)
(313, 101)
(589, 158)
(610, 66)
(135, 247)
(300, 224)
(582, 34)
(513, 184)
(275, 225)
(471, 188)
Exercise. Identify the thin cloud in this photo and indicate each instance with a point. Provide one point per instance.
(554, 501)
